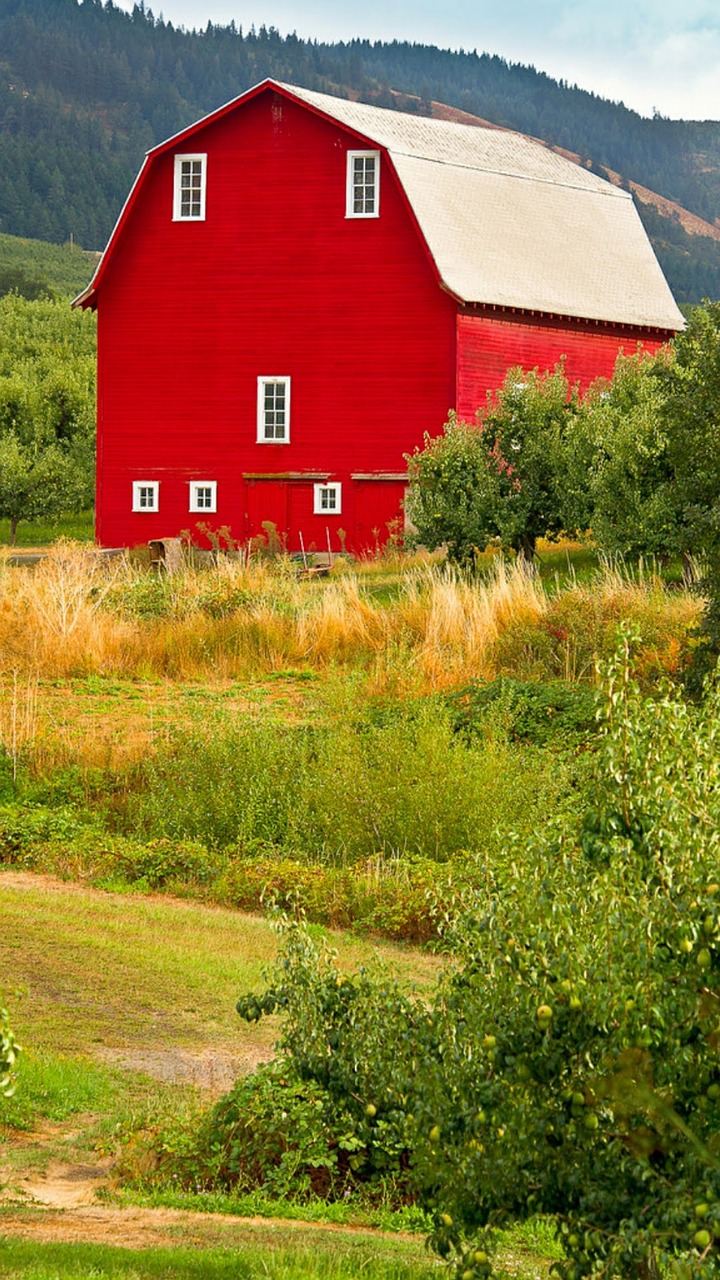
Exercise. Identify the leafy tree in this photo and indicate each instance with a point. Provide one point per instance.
(690, 419)
(37, 483)
(502, 477)
(568, 1062)
(622, 456)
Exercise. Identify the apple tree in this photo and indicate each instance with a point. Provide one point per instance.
(503, 476)
(568, 1062)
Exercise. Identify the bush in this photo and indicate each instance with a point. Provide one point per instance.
(530, 711)
(568, 1064)
(404, 785)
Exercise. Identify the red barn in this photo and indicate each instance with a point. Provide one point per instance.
(299, 287)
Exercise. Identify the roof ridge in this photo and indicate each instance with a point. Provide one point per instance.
(603, 189)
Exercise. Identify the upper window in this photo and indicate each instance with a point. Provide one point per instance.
(146, 495)
(273, 410)
(363, 184)
(203, 495)
(327, 499)
(189, 201)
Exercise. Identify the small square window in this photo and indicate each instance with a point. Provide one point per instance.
(273, 411)
(189, 191)
(203, 495)
(327, 499)
(363, 184)
(146, 495)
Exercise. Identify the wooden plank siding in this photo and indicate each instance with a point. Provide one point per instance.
(491, 343)
(276, 281)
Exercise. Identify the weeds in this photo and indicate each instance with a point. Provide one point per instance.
(74, 614)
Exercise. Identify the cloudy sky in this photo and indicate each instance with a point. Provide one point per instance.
(651, 54)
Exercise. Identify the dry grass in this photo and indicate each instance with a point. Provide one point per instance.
(75, 615)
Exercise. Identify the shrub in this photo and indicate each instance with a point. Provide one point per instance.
(402, 785)
(568, 1063)
(539, 713)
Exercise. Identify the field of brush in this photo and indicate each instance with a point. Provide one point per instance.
(364, 750)
(360, 747)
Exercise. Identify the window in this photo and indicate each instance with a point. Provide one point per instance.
(363, 184)
(327, 499)
(273, 408)
(203, 495)
(146, 495)
(189, 201)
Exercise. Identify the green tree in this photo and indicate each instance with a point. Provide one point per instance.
(504, 476)
(37, 483)
(622, 457)
(690, 419)
(567, 1064)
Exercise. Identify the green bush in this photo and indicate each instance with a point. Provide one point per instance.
(567, 1064)
(556, 711)
(405, 785)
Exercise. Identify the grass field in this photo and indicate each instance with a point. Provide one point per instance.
(126, 1006)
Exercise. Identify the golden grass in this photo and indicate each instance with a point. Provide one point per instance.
(422, 627)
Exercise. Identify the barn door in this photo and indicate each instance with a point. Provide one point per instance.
(267, 501)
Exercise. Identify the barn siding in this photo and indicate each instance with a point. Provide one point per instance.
(489, 345)
(275, 281)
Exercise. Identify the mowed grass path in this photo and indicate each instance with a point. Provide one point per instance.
(127, 971)
(129, 978)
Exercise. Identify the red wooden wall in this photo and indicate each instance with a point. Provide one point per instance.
(489, 344)
(276, 282)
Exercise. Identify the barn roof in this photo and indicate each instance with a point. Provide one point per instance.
(507, 221)
(511, 223)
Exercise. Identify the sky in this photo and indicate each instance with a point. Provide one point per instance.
(653, 55)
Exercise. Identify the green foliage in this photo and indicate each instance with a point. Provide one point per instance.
(505, 477)
(37, 483)
(407, 785)
(557, 712)
(47, 410)
(568, 1063)
(691, 417)
(9, 1050)
(622, 456)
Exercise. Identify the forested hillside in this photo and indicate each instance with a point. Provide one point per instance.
(86, 89)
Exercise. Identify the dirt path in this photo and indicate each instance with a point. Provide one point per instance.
(140, 1228)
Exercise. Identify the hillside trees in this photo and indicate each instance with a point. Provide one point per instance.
(89, 88)
(47, 409)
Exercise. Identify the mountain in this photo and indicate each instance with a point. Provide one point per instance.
(86, 89)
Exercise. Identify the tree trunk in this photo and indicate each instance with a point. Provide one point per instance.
(526, 549)
(14, 522)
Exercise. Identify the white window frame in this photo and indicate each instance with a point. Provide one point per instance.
(262, 422)
(350, 212)
(137, 504)
(178, 215)
(335, 488)
(195, 486)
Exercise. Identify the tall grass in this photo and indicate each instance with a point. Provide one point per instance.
(74, 614)
(344, 792)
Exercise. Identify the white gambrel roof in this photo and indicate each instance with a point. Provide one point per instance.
(511, 223)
